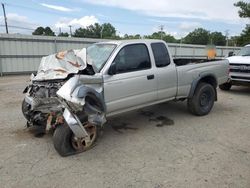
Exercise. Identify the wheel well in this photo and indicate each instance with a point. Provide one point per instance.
(94, 101)
(210, 79)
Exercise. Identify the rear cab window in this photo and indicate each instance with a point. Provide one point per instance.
(161, 54)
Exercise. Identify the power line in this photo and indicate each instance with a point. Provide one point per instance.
(18, 27)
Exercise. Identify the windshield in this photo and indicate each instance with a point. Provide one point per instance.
(245, 51)
(98, 54)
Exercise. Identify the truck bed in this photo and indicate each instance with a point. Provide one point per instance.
(181, 62)
(188, 72)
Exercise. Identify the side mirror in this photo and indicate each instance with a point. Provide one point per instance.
(230, 54)
(112, 69)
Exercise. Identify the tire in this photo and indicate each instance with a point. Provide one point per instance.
(62, 140)
(225, 86)
(203, 100)
(25, 110)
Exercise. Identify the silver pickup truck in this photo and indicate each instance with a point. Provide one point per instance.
(111, 78)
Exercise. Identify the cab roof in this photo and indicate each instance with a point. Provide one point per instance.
(132, 41)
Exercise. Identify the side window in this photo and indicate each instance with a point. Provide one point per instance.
(160, 54)
(132, 58)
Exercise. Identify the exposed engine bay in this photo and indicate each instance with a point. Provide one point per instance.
(40, 103)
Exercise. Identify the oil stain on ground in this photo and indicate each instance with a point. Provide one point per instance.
(163, 121)
(122, 126)
(146, 113)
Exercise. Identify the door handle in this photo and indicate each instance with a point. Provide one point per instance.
(150, 77)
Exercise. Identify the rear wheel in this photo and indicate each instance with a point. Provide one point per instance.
(225, 86)
(203, 100)
(66, 143)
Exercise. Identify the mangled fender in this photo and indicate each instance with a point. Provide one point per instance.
(83, 91)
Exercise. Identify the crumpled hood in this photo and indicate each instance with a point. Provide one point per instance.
(239, 59)
(60, 65)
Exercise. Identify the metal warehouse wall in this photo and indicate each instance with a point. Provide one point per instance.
(22, 53)
(199, 51)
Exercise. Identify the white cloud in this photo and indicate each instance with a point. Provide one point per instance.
(222, 10)
(56, 7)
(81, 22)
(188, 26)
(161, 21)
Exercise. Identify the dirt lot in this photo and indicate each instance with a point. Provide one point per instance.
(157, 147)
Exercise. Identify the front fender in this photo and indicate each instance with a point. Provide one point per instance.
(87, 97)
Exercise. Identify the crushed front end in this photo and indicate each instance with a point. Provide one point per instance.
(41, 106)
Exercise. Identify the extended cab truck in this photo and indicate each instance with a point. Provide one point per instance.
(129, 75)
(239, 69)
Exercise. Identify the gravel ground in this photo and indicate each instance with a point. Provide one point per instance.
(156, 147)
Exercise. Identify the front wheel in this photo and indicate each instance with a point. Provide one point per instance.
(203, 100)
(225, 86)
(26, 110)
(66, 143)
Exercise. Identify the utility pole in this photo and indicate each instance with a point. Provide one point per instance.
(161, 28)
(70, 31)
(5, 19)
(227, 34)
(101, 31)
(60, 30)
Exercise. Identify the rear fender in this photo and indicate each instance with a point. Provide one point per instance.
(204, 77)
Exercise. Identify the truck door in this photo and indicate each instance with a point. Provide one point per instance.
(166, 74)
(133, 83)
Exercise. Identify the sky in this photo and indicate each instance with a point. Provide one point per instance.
(142, 17)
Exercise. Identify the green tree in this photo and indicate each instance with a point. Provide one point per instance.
(163, 35)
(38, 31)
(169, 38)
(244, 38)
(96, 30)
(47, 31)
(156, 35)
(244, 11)
(217, 38)
(62, 34)
(137, 36)
(108, 30)
(198, 36)
(80, 32)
